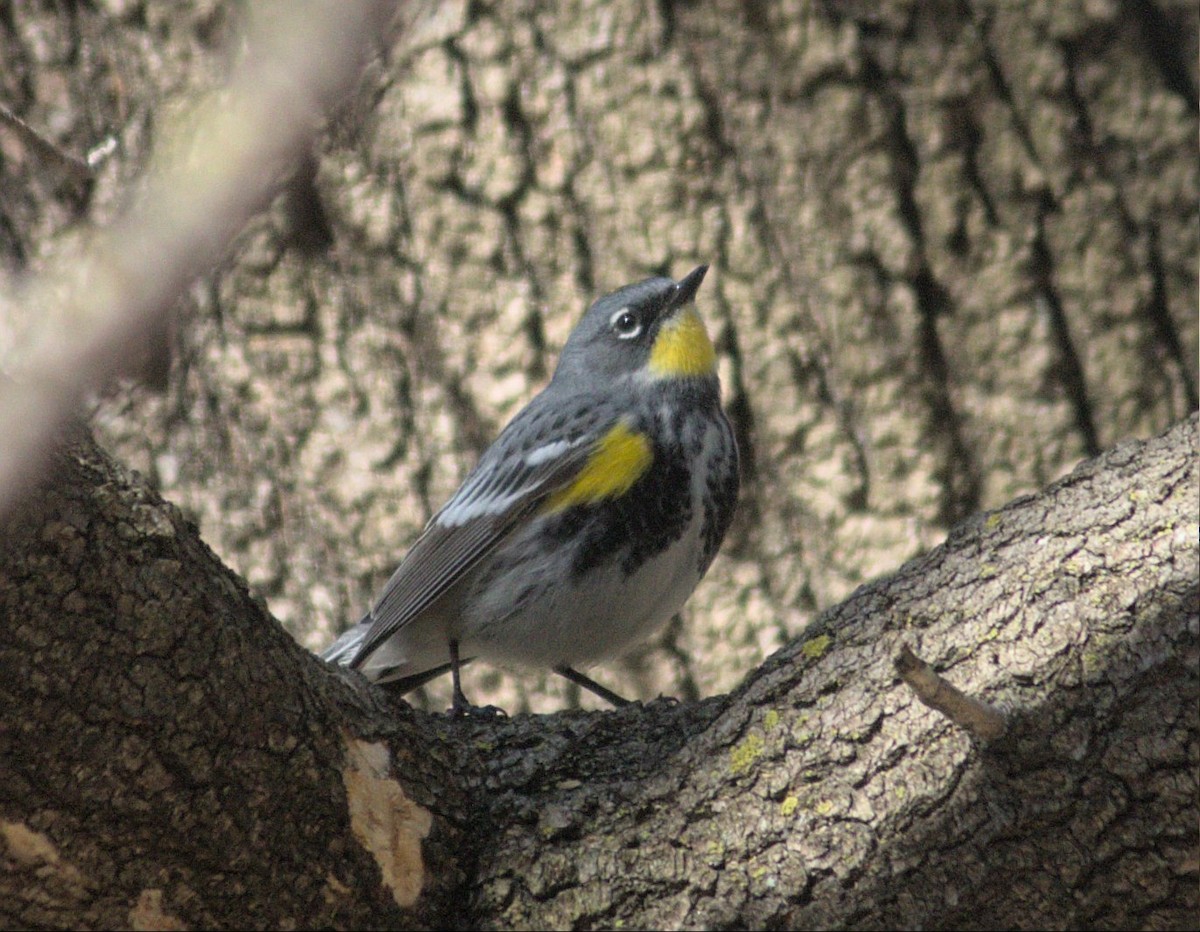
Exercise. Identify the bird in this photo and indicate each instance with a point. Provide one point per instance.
(586, 524)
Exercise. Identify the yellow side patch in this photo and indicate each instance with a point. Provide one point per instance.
(621, 457)
(683, 348)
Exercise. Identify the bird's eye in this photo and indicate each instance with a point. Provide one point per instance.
(625, 324)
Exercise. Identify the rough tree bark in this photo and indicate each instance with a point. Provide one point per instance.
(171, 758)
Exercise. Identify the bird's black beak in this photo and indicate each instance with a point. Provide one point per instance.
(686, 287)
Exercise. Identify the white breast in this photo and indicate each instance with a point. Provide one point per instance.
(579, 622)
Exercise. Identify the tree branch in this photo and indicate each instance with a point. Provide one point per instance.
(169, 750)
(982, 721)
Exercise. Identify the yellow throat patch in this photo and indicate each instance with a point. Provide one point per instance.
(620, 458)
(682, 348)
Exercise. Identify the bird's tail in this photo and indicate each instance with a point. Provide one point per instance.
(402, 677)
(342, 650)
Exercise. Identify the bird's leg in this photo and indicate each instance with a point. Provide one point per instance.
(462, 705)
(590, 685)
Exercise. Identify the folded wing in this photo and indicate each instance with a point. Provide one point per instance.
(511, 481)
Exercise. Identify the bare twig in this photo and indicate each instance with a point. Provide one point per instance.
(71, 328)
(77, 168)
(980, 719)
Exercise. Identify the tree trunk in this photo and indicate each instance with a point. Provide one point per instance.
(172, 759)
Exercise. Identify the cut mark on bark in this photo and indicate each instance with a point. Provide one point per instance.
(978, 718)
(148, 913)
(384, 820)
(29, 850)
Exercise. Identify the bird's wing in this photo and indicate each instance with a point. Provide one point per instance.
(515, 476)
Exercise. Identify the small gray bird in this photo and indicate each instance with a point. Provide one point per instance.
(586, 524)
